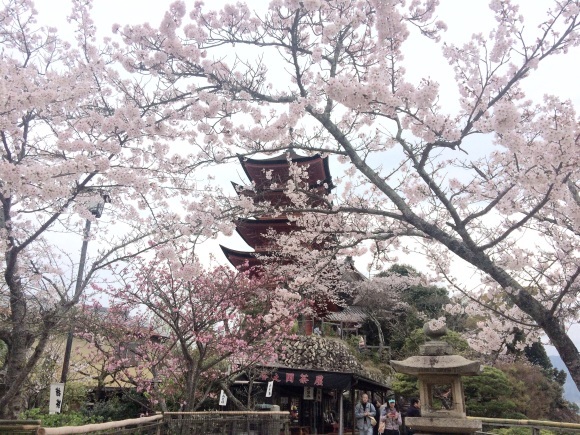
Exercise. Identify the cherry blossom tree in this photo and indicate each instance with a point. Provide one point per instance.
(74, 130)
(484, 178)
(190, 329)
(382, 299)
(121, 347)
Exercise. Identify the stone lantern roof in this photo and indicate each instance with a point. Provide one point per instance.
(447, 365)
(435, 357)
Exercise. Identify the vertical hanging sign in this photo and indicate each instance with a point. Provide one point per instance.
(308, 393)
(223, 398)
(56, 394)
(319, 394)
(269, 389)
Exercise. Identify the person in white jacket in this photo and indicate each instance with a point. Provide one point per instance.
(390, 419)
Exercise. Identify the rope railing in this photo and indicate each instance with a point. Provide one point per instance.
(204, 422)
(19, 427)
(169, 423)
(100, 427)
(532, 424)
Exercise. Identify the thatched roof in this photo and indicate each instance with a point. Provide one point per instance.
(320, 353)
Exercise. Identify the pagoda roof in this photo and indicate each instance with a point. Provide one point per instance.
(255, 169)
(247, 260)
(351, 274)
(255, 231)
(278, 198)
(241, 260)
(290, 152)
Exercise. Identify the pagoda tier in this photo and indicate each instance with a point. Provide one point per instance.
(241, 260)
(277, 197)
(276, 170)
(258, 233)
(247, 261)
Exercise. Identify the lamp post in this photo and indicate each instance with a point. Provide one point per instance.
(97, 211)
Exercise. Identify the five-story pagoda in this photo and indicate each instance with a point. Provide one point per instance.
(269, 178)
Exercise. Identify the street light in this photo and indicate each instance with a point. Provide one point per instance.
(96, 209)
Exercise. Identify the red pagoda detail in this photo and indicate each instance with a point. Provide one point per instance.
(265, 172)
(269, 178)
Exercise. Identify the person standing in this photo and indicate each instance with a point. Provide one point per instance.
(413, 411)
(363, 411)
(392, 419)
(361, 344)
(377, 416)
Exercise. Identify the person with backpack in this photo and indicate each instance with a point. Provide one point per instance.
(364, 412)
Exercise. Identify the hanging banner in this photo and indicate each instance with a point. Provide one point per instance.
(319, 394)
(56, 395)
(223, 398)
(308, 393)
(269, 389)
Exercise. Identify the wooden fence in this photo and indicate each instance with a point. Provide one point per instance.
(19, 427)
(534, 426)
(171, 423)
(232, 423)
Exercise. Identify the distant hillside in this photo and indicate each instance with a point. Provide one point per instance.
(571, 393)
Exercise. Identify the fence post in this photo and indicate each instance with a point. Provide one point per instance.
(276, 420)
(535, 430)
(22, 426)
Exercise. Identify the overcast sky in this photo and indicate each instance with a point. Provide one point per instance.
(462, 17)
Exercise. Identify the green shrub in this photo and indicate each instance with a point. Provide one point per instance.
(75, 396)
(114, 409)
(71, 418)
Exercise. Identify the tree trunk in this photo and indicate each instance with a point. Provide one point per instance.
(19, 364)
(555, 331)
(466, 248)
(237, 403)
(11, 400)
(380, 332)
(250, 388)
(544, 318)
(19, 339)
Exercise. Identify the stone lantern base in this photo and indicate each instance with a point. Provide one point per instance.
(443, 425)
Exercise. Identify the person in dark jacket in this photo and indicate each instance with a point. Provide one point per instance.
(377, 416)
(413, 411)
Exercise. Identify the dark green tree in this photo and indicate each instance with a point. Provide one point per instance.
(491, 394)
(536, 354)
(424, 302)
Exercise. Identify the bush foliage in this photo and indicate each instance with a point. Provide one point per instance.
(71, 418)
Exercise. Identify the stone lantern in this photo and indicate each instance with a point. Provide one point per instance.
(440, 387)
